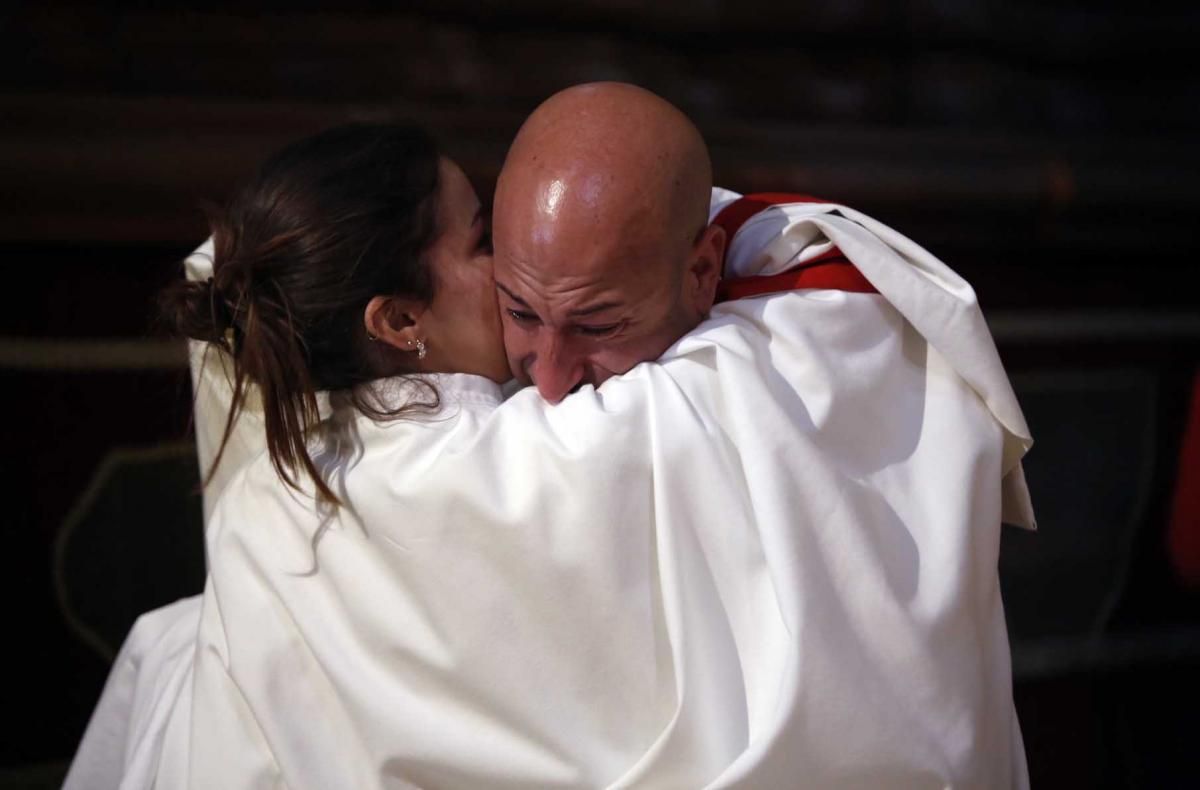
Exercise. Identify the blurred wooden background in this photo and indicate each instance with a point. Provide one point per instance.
(1046, 150)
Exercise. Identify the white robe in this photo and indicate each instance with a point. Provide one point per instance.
(768, 560)
(149, 679)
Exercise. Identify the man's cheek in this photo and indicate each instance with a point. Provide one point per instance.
(509, 331)
(516, 348)
(516, 366)
(620, 356)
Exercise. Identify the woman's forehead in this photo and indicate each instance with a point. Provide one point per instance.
(458, 205)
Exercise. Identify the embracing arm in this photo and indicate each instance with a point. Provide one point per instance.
(212, 385)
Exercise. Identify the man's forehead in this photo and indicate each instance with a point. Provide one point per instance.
(565, 241)
(573, 193)
(585, 264)
(576, 236)
(566, 293)
(557, 276)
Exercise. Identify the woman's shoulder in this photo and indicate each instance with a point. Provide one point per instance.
(355, 448)
(403, 408)
(446, 390)
(251, 492)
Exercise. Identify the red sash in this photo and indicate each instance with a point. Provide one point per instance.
(830, 269)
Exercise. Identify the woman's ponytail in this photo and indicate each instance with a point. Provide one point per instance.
(325, 225)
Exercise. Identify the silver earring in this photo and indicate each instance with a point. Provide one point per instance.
(421, 351)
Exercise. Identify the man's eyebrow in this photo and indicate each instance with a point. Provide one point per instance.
(596, 308)
(583, 311)
(512, 295)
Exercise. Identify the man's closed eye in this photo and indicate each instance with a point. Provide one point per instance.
(522, 317)
(598, 331)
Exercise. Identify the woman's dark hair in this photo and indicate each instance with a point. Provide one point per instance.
(324, 225)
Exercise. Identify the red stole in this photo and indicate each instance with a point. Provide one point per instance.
(830, 270)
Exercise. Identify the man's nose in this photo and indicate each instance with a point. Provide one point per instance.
(557, 370)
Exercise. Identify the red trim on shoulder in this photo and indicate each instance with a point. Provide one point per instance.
(734, 216)
(830, 270)
(837, 275)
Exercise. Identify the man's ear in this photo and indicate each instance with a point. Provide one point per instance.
(395, 321)
(704, 273)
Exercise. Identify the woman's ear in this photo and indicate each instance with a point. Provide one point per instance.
(395, 321)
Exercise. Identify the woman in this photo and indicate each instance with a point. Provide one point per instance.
(355, 262)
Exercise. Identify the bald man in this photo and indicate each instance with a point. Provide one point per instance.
(604, 253)
(607, 253)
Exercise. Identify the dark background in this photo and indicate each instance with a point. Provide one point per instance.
(1045, 150)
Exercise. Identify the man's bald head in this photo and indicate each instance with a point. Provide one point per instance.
(602, 254)
(613, 152)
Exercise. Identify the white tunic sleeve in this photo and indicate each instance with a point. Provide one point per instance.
(212, 388)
